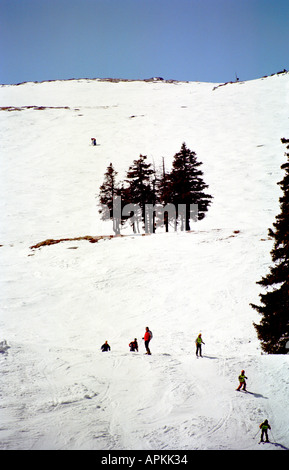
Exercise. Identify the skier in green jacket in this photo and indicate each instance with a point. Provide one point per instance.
(242, 381)
(199, 343)
(264, 430)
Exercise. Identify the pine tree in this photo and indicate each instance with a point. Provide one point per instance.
(163, 192)
(108, 190)
(273, 330)
(186, 184)
(141, 184)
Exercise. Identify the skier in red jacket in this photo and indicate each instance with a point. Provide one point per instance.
(147, 337)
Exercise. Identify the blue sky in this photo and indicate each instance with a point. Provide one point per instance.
(188, 40)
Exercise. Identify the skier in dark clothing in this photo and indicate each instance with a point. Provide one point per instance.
(147, 337)
(105, 347)
(133, 345)
(264, 430)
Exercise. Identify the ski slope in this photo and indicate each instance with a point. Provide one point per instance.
(60, 302)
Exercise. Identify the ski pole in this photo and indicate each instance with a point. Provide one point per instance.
(272, 435)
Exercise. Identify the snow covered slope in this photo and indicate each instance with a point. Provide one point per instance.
(59, 303)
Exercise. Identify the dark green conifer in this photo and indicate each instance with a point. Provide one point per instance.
(187, 185)
(273, 330)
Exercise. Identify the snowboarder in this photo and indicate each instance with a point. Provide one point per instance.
(105, 347)
(133, 345)
(147, 337)
(199, 343)
(242, 381)
(264, 430)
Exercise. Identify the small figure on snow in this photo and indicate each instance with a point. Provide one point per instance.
(242, 381)
(105, 347)
(147, 337)
(93, 141)
(133, 345)
(264, 430)
(199, 343)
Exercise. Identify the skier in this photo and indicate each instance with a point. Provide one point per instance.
(133, 345)
(242, 381)
(93, 141)
(105, 347)
(147, 337)
(264, 430)
(199, 343)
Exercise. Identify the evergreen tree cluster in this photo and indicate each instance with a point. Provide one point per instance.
(143, 185)
(273, 330)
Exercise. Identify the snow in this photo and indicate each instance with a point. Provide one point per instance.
(59, 303)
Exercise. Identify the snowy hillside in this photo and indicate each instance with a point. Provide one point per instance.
(59, 303)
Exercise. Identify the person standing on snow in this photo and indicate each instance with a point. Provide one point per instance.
(105, 347)
(199, 343)
(147, 337)
(264, 430)
(242, 381)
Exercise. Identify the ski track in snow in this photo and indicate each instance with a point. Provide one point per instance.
(61, 302)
